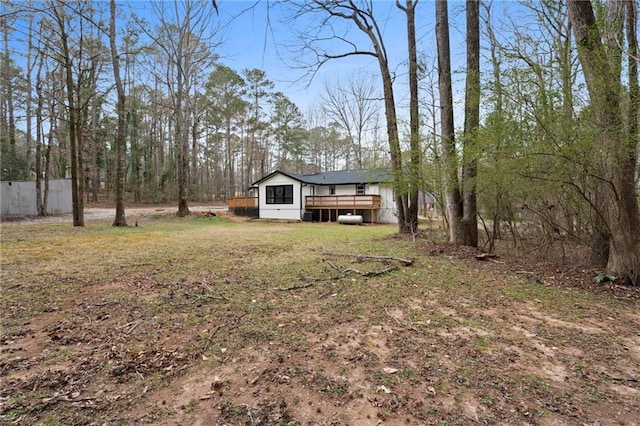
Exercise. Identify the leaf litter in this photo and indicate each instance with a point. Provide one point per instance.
(444, 339)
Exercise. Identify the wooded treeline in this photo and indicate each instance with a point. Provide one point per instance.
(546, 146)
(234, 125)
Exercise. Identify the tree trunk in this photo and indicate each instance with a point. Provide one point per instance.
(47, 167)
(94, 169)
(447, 129)
(634, 87)
(620, 208)
(120, 219)
(411, 215)
(39, 138)
(366, 23)
(28, 101)
(182, 140)
(231, 183)
(14, 171)
(394, 145)
(469, 236)
(78, 209)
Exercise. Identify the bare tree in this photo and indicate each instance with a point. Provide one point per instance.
(226, 89)
(62, 20)
(461, 196)
(619, 150)
(121, 142)
(447, 129)
(185, 37)
(353, 106)
(8, 75)
(409, 8)
(363, 18)
(258, 89)
(471, 126)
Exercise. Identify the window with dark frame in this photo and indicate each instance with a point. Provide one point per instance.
(280, 194)
(332, 190)
(360, 189)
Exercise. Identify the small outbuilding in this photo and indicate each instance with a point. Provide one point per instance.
(19, 197)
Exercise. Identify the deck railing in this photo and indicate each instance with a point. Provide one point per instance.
(369, 201)
(237, 202)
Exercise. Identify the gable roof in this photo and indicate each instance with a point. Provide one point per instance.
(342, 177)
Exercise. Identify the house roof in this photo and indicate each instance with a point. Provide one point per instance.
(342, 177)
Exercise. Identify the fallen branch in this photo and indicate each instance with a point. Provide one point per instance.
(130, 325)
(204, 296)
(486, 256)
(370, 273)
(326, 293)
(210, 290)
(381, 272)
(360, 257)
(394, 318)
(318, 279)
(12, 287)
(66, 398)
(218, 328)
(249, 414)
(405, 262)
(294, 287)
(333, 266)
(349, 271)
(408, 326)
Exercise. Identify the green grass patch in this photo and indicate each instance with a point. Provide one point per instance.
(152, 302)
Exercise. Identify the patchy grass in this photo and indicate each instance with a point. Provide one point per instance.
(203, 320)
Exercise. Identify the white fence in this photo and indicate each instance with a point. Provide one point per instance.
(19, 197)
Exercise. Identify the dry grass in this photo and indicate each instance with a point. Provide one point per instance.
(204, 320)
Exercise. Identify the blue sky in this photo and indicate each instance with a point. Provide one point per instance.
(256, 37)
(251, 44)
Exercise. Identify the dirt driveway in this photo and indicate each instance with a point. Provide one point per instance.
(103, 213)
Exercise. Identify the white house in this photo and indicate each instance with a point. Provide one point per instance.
(324, 196)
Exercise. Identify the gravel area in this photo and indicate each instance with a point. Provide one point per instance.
(98, 214)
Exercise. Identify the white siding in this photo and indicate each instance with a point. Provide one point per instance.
(348, 189)
(280, 211)
(387, 212)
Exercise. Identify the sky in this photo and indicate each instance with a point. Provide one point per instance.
(254, 35)
(257, 37)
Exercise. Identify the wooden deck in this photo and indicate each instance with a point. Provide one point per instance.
(330, 206)
(345, 202)
(327, 207)
(242, 202)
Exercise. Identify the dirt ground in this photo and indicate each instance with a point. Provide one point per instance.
(100, 212)
(478, 350)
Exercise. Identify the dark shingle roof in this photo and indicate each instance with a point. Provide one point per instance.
(343, 177)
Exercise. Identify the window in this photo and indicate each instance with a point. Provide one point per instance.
(332, 190)
(360, 189)
(280, 194)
